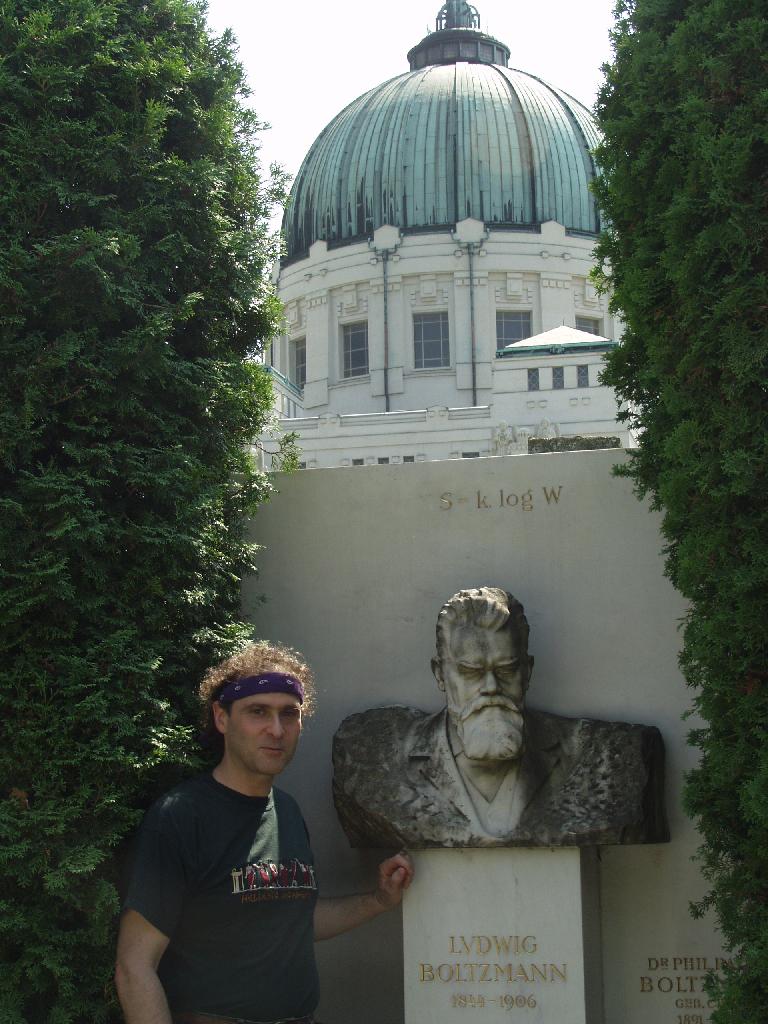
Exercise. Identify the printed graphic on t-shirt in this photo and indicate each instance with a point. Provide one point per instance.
(266, 880)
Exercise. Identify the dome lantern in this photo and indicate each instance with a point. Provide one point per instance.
(457, 14)
(457, 37)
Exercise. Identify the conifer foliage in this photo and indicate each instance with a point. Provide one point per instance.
(133, 248)
(684, 112)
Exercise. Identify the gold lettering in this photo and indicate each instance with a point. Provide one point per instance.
(535, 969)
(529, 944)
(441, 972)
(503, 942)
(521, 975)
(665, 985)
(503, 971)
(452, 945)
(552, 495)
(561, 974)
(446, 501)
(427, 972)
(482, 944)
(484, 973)
(646, 984)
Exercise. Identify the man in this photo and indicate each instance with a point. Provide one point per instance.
(222, 909)
(486, 771)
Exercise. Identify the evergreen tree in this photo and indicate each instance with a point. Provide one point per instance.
(133, 252)
(684, 112)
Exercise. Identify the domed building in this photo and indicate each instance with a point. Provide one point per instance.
(439, 240)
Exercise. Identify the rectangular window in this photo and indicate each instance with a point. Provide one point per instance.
(383, 460)
(355, 349)
(582, 376)
(358, 462)
(588, 324)
(470, 455)
(299, 362)
(533, 380)
(512, 326)
(409, 458)
(558, 377)
(430, 340)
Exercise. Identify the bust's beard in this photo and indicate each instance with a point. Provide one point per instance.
(492, 733)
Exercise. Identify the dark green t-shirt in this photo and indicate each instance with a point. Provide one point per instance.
(230, 880)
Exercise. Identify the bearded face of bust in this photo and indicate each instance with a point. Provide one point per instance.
(484, 674)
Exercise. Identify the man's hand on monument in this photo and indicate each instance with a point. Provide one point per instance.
(340, 913)
(395, 875)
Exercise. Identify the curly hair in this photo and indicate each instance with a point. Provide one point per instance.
(251, 661)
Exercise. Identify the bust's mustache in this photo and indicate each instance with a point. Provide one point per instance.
(481, 703)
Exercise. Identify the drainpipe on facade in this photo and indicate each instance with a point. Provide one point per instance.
(383, 255)
(471, 254)
(385, 264)
(471, 248)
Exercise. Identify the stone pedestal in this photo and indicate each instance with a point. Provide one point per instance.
(503, 935)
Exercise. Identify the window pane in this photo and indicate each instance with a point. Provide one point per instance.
(582, 376)
(299, 362)
(430, 340)
(558, 377)
(512, 326)
(588, 324)
(355, 345)
(533, 380)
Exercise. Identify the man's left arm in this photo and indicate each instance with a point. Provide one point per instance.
(340, 913)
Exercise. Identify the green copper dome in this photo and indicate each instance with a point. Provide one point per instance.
(445, 142)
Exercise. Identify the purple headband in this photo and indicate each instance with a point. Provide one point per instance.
(267, 682)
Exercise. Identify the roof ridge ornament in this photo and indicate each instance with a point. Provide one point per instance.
(457, 14)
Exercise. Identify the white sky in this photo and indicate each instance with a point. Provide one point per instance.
(306, 60)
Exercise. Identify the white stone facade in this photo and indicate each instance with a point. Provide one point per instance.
(350, 411)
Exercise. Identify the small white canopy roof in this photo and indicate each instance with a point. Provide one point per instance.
(558, 336)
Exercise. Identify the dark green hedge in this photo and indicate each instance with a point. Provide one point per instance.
(133, 252)
(684, 111)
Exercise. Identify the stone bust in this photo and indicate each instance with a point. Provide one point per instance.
(485, 770)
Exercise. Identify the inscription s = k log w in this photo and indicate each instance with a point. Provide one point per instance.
(524, 501)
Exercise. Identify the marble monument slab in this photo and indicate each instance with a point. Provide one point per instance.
(501, 936)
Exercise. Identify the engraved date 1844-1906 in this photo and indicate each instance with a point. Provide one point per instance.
(506, 1002)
